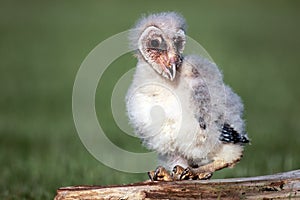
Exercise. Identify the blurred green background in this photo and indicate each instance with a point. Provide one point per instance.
(42, 44)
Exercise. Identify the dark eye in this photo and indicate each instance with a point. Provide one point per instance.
(154, 43)
(179, 43)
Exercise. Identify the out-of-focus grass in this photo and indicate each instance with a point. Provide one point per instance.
(42, 44)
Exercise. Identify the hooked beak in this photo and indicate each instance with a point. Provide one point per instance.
(171, 71)
(170, 63)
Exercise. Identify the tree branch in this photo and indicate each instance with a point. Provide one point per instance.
(280, 186)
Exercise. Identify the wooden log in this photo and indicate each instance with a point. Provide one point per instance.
(278, 186)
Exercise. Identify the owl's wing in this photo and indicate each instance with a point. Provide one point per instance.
(233, 129)
(217, 107)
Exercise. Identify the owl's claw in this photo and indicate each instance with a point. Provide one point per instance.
(160, 174)
(177, 171)
(194, 174)
(151, 175)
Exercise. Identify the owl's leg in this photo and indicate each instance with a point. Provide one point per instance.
(205, 171)
(160, 174)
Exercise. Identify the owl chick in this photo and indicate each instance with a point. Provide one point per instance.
(179, 105)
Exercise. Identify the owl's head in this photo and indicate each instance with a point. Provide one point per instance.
(160, 40)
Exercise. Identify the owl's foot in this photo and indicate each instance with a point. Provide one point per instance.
(160, 174)
(195, 174)
(179, 173)
(176, 173)
(205, 171)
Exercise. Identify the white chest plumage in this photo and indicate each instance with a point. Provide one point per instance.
(163, 116)
(156, 114)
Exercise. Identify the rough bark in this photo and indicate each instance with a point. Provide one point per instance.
(278, 186)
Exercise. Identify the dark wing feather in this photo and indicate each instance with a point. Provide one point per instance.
(229, 135)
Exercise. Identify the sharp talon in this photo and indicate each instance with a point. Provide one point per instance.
(186, 174)
(174, 169)
(158, 172)
(151, 175)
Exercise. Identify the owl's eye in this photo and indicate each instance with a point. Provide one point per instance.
(154, 43)
(179, 43)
